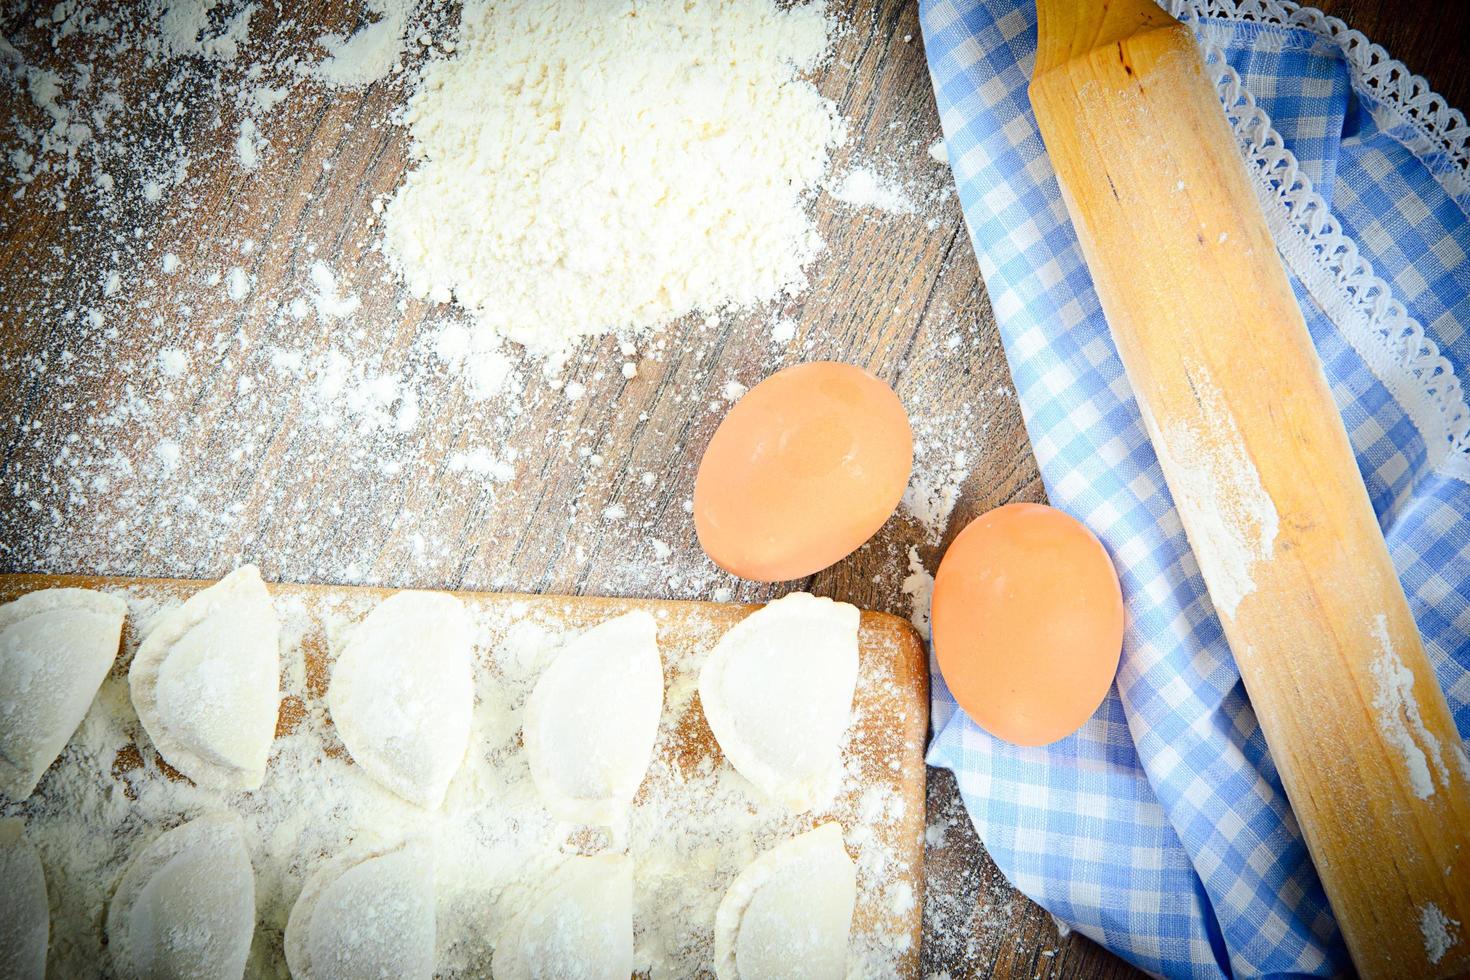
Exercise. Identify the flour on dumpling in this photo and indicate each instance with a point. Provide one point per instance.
(578, 924)
(366, 916)
(206, 683)
(186, 905)
(789, 913)
(777, 693)
(402, 693)
(25, 916)
(592, 719)
(56, 646)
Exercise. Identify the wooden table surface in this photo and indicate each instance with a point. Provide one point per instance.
(597, 503)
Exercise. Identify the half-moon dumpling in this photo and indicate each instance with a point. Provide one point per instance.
(366, 916)
(789, 912)
(403, 691)
(592, 719)
(777, 692)
(206, 683)
(186, 905)
(56, 646)
(25, 918)
(579, 924)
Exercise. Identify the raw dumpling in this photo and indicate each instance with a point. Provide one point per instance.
(777, 692)
(592, 719)
(56, 646)
(789, 912)
(579, 925)
(206, 683)
(403, 691)
(361, 917)
(25, 918)
(186, 905)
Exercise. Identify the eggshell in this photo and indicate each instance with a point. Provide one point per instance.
(1027, 620)
(803, 470)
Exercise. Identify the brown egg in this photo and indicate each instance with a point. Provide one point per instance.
(1027, 618)
(803, 470)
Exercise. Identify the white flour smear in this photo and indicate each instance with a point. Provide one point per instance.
(1399, 717)
(945, 446)
(691, 830)
(372, 51)
(919, 587)
(864, 187)
(1226, 511)
(1439, 930)
(587, 168)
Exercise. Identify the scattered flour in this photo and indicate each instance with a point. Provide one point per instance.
(864, 187)
(483, 463)
(919, 587)
(479, 357)
(933, 491)
(371, 52)
(168, 453)
(237, 283)
(617, 171)
(329, 304)
(249, 147)
(172, 362)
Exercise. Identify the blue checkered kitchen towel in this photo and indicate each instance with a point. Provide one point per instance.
(1161, 829)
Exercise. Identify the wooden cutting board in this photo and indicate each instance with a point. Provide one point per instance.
(884, 756)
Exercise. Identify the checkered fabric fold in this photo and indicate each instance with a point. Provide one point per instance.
(1161, 829)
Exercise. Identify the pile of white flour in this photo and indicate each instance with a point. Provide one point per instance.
(594, 168)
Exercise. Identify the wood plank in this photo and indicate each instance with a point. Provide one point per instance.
(890, 293)
(890, 713)
(1427, 37)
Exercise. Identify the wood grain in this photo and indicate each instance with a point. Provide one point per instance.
(889, 294)
(899, 295)
(1259, 464)
(890, 708)
(1427, 37)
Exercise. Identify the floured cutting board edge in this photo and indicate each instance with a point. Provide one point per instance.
(885, 751)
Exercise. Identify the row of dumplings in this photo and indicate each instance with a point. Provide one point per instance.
(186, 908)
(777, 692)
(205, 680)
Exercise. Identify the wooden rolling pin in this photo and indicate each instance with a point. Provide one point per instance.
(1261, 470)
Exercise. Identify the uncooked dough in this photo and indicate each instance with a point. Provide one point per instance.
(777, 692)
(186, 905)
(56, 646)
(25, 918)
(366, 916)
(788, 914)
(402, 693)
(578, 926)
(206, 683)
(592, 719)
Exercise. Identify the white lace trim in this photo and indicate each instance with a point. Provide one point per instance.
(1441, 135)
(1328, 263)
